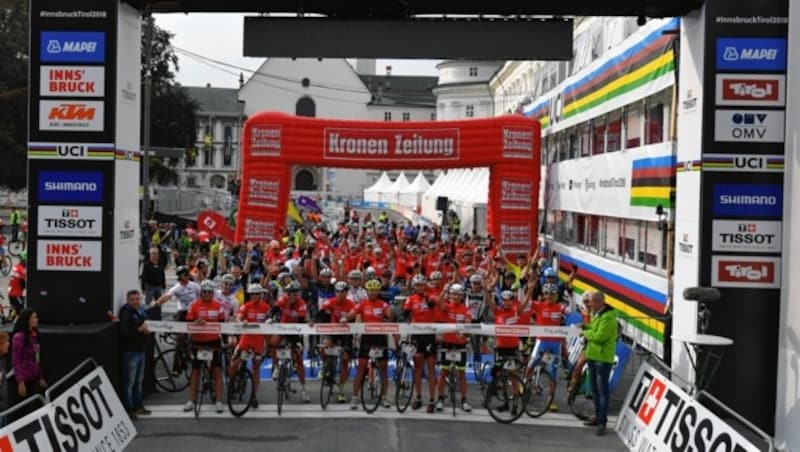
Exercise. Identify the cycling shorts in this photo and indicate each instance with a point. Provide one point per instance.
(369, 341)
(216, 361)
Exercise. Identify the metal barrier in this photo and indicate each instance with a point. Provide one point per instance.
(764, 436)
(66, 377)
(34, 398)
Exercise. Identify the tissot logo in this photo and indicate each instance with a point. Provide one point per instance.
(750, 236)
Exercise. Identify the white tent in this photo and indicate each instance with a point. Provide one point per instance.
(390, 195)
(429, 197)
(411, 196)
(380, 186)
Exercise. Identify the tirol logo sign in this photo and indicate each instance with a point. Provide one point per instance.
(263, 191)
(765, 126)
(73, 116)
(388, 144)
(66, 255)
(515, 194)
(746, 200)
(751, 90)
(657, 415)
(518, 142)
(73, 47)
(70, 186)
(746, 236)
(265, 140)
(752, 272)
(70, 221)
(751, 54)
(72, 81)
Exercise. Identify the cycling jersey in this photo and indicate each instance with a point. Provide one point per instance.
(420, 309)
(210, 311)
(371, 311)
(357, 294)
(507, 316)
(229, 303)
(185, 294)
(337, 309)
(16, 285)
(254, 312)
(549, 314)
(457, 313)
(476, 302)
(325, 292)
(292, 313)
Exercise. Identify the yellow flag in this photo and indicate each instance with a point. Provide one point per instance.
(293, 213)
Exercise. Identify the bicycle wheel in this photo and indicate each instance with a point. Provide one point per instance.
(281, 387)
(505, 398)
(580, 399)
(541, 389)
(452, 381)
(201, 390)
(171, 376)
(404, 385)
(327, 381)
(5, 265)
(241, 391)
(371, 390)
(16, 247)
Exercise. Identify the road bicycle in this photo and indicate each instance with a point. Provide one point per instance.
(241, 385)
(373, 384)
(206, 383)
(284, 367)
(329, 374)
(540, 384)
(173, 366)
(505, 397)
(404, 376)
(451, 361)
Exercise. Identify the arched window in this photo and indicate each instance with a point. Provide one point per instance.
(305, 107)
(304, 181)
(217, 181)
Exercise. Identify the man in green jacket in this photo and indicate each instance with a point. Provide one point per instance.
(601, 344)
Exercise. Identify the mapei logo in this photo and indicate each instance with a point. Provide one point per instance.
(757, 54)
(73, 46)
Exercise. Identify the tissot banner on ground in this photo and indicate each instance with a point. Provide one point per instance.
(508, 145)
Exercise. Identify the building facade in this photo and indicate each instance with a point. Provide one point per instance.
(463, 89)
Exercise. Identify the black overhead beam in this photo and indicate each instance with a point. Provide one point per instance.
(401, 9)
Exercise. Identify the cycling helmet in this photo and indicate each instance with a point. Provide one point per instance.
(437, 275)
(182, 271)
(202, 262)
(549, 272)
(282, 275)
(228, 279)
(373, 284)
(457, 289)
(418, 280)
(341, 286)
(255, 288)
(325, 273)
(549, 289)
(207, 286)
(354, 274)
(475, 279)
(506, 295)
(370, 273)
(293, 287)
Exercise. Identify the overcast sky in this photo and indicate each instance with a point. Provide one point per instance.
(219, 37)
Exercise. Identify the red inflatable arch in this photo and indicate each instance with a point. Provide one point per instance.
(508, 145)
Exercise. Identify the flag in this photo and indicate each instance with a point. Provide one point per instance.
(292, 212)
(652, 181)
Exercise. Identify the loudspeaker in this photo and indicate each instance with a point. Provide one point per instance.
(441, 203)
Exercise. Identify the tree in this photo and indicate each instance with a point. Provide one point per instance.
(173, 113)
(13, 92)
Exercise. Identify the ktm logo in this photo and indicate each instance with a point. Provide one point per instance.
(72, 112)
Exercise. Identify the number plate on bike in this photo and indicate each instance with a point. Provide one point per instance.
(284, 353)
(510, 365)
(247, 355)
(333, 351)
(452, 355)
(376, 353)
(205, 355)
(409, 350)
(548, 358)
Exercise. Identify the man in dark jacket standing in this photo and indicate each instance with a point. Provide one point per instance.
(153, 278)
(133, 340)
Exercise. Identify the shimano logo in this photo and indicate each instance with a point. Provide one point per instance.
(749, 200)
(70, 186)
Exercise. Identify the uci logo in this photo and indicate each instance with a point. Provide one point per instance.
(749, 162)
(72, 150)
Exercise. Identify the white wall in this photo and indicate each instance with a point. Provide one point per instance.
(377, 113)
(787, 411)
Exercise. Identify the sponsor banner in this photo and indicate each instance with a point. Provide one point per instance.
(256, 229)
(751, 90)
(515, 237)
(391, 144)
(72, 81)
(215, 224)
(73, 47)
(746, 200)
(746, 236)
(70, 221)
(752, 272)
(71, 116)
(515, 193)
(743, 162)
(751, 54)
(69, 255)
(518, 142)
(87, 416)
(71, 151)
(658, 415)
(263, 191)
(73, 14)
(762, 126)
(265, 140)
(206, 328)
(70, 186)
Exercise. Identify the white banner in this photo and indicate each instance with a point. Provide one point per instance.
(70, 221)
(746, 236)
(71, 116)
(72, 81)
(751, 126)
(659, 416)
(362, 328)
(87, 417)
(69, 255)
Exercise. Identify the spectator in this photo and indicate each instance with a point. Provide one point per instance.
(601, 343)
(25, 353)
(133, 342)
(15, 219)
(153, 278)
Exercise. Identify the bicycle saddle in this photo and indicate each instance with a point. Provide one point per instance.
(701, 294)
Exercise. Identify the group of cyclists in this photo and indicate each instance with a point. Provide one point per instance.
(365, 271)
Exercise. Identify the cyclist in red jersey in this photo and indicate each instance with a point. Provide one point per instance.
(202, 311)
(506, 312)
(254, 311)
(17, 283)
(422, 309)
(457, 312)
(371, 310)
(292, 309)
(336, 310)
